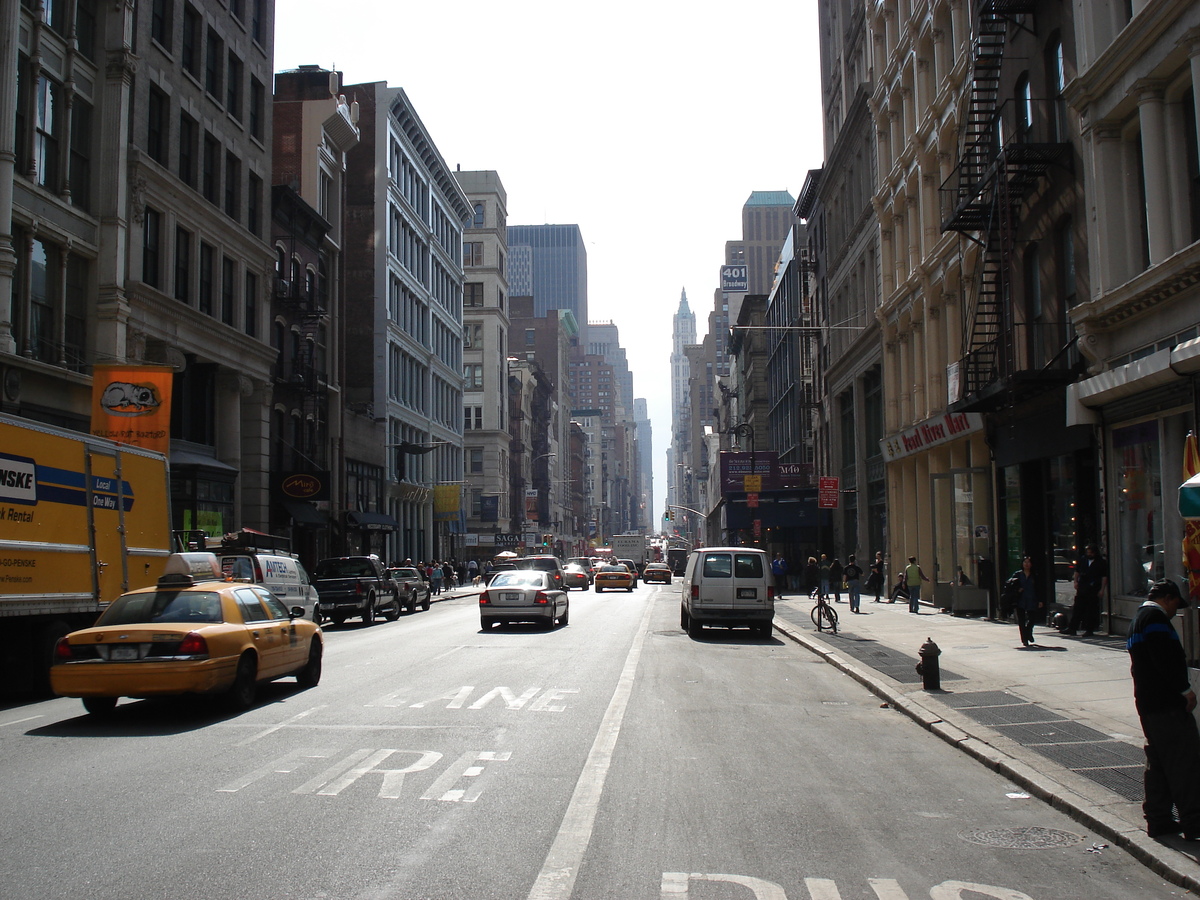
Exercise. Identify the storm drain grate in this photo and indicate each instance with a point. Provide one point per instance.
(1051, 733)
(1099, 755)
(1026, 713)
(981, 698)
(1124, 781)
(1033, 837)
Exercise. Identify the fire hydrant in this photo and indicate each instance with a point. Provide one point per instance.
(928, 668)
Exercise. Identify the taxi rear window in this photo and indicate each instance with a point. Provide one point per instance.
(163, 606)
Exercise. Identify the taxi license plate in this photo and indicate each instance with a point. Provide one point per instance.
(124, 652)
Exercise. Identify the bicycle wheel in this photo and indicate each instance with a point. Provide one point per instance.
(831, 617)
(824, 616)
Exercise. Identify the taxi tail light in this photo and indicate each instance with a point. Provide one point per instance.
(63, 651)
(484, 599)
(540, 597)
(193, 644)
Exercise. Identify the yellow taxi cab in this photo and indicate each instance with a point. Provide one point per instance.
(192, 633)
(613, 576)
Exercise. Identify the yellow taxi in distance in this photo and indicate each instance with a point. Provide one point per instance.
(613, 576)
(193, 633)
(657, 572)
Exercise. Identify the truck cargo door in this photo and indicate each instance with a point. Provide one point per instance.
(106, 498)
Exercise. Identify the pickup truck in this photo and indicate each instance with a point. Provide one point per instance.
(355, 586)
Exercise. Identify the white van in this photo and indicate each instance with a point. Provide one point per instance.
(282, 575)
(728, 587)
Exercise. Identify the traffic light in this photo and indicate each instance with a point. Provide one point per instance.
(546, 539)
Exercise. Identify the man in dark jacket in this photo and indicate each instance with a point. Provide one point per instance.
(1165, 700)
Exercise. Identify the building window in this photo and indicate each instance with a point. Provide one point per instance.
(45, 140)
(472, 336)
(1066, 264)
(257, 101)
(477, 222)
(183, 266)
(214, 57)
(151, 225)
(530, 337)
(157, 110)
(208, 257)
(212, 168)
(190, 55)
(475, 460)
(162, 20)
(227, 273)
(472, 294)
(1024, 108)
(188, 129)
(233, 185)
(473, 377)
(254, 204)
(233, 86)
(250, 304)
(473, 253)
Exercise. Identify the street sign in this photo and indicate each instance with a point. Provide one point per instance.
(735, 279)
(752, 482)
(827, 492)
(752, 500)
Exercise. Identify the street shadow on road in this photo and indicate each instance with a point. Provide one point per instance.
(163, 715)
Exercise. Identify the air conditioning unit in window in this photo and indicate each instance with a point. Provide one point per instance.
(283, 287)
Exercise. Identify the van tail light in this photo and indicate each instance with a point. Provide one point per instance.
(771, 593)
(193, 644)
(484, 599)
(695, 592)
(258, 576)
(540, 597)
(63, 651)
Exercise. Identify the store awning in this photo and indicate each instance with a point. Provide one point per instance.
(304, 513)
(1189, 498)
(371, 521)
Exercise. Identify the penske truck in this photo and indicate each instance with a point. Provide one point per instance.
(82, 520)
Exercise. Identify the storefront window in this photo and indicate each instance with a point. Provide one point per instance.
(1014, 536)
(1064, 535)
(1139, 526)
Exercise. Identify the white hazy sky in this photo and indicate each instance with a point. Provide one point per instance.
(646, 123)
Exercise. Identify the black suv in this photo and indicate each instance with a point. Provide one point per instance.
(355, 586)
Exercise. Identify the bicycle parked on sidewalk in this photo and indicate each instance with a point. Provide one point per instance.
(823, 614)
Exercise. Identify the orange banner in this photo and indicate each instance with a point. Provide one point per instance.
(132, 404)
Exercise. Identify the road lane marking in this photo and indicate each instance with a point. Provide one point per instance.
(284, 724)
(557, 878)
(19, 721)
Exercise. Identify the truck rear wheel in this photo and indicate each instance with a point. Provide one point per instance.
(368, 615)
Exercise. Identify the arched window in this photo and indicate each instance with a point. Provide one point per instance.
(1056, 82)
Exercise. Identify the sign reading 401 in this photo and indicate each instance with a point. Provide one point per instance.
(735, 279)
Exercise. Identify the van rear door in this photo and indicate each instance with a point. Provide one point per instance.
(751, 582)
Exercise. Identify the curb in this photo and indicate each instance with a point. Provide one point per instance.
(1170, 864)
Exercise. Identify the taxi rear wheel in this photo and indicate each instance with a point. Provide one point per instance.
(245, 683)
(100, 706)
(310, 675)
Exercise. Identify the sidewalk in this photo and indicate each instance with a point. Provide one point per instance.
(1057, 718)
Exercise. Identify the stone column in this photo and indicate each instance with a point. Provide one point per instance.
(1155, 169)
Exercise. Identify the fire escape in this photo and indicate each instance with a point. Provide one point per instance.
(1008, 149)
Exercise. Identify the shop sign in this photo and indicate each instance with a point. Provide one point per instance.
(931, 433)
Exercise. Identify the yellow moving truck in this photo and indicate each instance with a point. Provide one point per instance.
(82, 519)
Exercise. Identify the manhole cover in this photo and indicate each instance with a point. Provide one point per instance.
(1032, 838)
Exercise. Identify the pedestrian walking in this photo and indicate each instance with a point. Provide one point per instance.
(835, 579)
(853, 575)
(1164, 701)
(435, 577)
(779, 568)
(1091, 581)
(1021, 591)
(913, 576)
(877, 580)
(812, 576)
(823, 565)
(448, 574)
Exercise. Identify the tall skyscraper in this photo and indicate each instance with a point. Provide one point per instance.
(683, 333)
(553, 270)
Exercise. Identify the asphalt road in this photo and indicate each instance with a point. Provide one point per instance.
(611, 758)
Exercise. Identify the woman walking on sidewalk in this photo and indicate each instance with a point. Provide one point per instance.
(1026, 602)
(876, 580)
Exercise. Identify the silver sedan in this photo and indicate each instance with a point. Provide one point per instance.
(523, 596)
